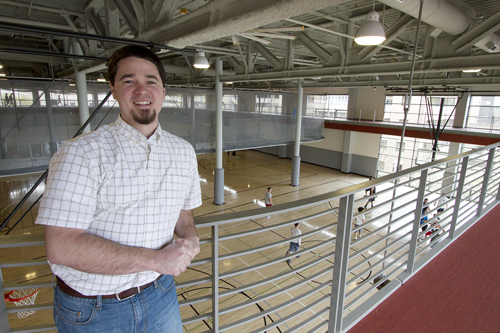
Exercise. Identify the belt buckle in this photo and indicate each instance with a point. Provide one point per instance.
(122, 299)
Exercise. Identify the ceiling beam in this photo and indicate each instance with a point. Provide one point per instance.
(218, 17)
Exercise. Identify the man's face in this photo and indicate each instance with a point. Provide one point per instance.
(139, 91)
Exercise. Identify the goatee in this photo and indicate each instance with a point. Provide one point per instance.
(145, 117)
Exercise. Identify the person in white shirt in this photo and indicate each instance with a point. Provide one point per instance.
(358, 221)
(295, 244)
(113, 201)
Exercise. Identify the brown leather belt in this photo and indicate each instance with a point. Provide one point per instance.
(120, 296)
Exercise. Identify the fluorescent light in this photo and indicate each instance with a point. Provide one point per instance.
(371, 32)
(101, 78)
(200, 61)
(471, 70)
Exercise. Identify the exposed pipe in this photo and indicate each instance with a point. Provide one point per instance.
(50, 54)
(40, 30)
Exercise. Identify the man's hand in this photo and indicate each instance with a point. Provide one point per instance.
(176, 257)
(192, 243)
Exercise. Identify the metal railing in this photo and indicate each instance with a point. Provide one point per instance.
(241, 281)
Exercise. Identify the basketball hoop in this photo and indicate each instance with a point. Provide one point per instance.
(22, 297)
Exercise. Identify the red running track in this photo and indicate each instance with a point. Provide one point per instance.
(459, 291)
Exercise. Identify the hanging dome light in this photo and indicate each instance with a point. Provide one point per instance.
(371, 32)
(200, 61)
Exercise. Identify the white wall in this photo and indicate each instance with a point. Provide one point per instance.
(366, 144)
(334, 140)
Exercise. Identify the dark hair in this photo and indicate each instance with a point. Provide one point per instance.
(360, 209)
(296, 224)
(137, 52)
(268, 188)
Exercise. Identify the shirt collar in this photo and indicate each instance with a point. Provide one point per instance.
(133, 134)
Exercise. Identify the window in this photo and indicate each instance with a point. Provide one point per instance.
(200, 102)
(422, 109)
(229, 102)
(484, 112)
(414, 152)
(269, 103)
(328, 106)
(173, 101)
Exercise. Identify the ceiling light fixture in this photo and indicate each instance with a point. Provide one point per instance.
(101, 78)
(200, 61)
(471, 70)
(371, 31)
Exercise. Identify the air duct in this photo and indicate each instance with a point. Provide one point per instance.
(438, 13)
(445, 17)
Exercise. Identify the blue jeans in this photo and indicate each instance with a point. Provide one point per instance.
(294, 247)
(154, 309)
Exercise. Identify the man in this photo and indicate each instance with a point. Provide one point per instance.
(269, 199)
(358, 221)
(269, 196)
(113, 200)
(295, 244)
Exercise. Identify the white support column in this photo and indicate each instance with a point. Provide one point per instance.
(50, 120)
(298, 132)
(347, 153)
(219, 148)
(450, 175)
(81, 91)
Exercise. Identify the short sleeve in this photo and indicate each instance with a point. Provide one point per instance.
(69, 198)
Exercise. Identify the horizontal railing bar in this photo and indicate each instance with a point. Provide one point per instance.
(191, 283)
(469, 175)
(36, 307)
(299, 327)
(380, 261)
(36, 328)
(9, 241)
(196, 319)
(22, 263)
(277, 226)
(372, 256)
(275, 277)
(195, 300)
(26, 285)
(362, 284)
(271, 245)
(320, 327)
(272, 294)
(382, 239)
(269, 263)
(274, 309)
(289, 317)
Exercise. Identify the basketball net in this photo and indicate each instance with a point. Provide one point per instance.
(22, 297)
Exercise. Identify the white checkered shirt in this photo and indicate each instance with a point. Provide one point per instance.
(119, 185)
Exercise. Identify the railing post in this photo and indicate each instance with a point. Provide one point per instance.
(416, 221)
(341, 262)
(215, 279)
(486, 178)
(458, 198)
